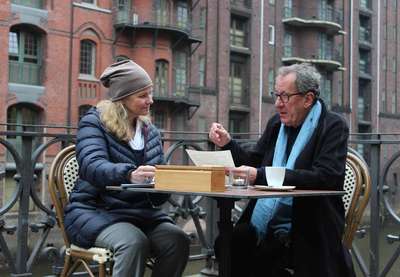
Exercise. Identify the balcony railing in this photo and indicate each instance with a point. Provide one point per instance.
(384, 150)
(156, 18)
(25, 73)
(313, 16)
(240, 4)
(39, 4)
(299, 54)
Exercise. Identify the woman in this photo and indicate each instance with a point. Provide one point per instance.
(116, 143)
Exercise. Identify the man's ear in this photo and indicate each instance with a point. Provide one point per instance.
(309, 99)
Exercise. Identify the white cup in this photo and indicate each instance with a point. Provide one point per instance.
(275, 175)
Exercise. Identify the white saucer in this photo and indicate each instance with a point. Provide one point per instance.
(282, 188)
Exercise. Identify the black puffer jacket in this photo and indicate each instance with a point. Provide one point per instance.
(104, 161)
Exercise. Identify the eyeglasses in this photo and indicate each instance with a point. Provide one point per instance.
(283, 96)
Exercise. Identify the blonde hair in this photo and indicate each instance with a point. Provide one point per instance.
(115, 118)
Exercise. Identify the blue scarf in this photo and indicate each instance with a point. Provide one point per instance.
(276, 213)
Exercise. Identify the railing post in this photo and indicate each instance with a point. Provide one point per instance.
(375, 207)
(23, 212)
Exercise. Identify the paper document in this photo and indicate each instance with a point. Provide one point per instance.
(211, 158)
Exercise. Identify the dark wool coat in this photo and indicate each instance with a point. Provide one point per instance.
(317, 222)
(104, 161)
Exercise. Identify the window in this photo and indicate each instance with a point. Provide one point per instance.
(238, 82)
(24, 53)
(364, 100)
(182, 15)
(238, 124)
(159, 119)
(326, 47)
(23, 114)
(123, 12)
(364, 29)
(162, 12)
(39, 4)
(161, 79)
(93, 2)
(287, 45)
(271, 31)
(202, 71)
(394, 102)
(180, 72)
(88, 57)
(83, 110)
(288, 8)
(364, 4)
(271, 80)
(364, 62)
(340, 88)
(238, 32)
(326, 89)
(203, 18)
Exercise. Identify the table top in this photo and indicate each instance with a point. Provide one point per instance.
(249, 193)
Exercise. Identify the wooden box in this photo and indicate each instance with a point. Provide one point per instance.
(189, 178)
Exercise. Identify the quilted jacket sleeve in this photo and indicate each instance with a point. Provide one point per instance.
(92, 153)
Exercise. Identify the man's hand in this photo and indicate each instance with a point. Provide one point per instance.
(244, 171)
(143, 174)
(218, 135)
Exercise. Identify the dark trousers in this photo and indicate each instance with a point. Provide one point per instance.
(268, 259)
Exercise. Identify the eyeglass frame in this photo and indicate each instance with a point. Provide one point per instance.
(284, 93)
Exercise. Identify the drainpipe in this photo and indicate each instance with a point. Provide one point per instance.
(351, 64)
(71, 34)
(260, 92)
(378, 68)
(217, 59)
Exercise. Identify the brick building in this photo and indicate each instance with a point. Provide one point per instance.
(203, 55)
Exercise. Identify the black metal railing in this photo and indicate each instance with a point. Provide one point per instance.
(328, 14)
(28, 196)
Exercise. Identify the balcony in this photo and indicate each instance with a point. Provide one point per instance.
(329, 19)
(190, 97)
(155, 20)
(25, 73)
(242, 5)
(331, 60)
(38, 4)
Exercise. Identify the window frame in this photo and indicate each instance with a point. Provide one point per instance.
(92, 65)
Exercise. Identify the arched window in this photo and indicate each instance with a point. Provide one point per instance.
(25, 57)
(161, 80)
(87, 57)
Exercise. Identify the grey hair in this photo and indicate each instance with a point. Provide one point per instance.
(307, 77)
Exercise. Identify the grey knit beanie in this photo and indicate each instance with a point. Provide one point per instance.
(124, 78)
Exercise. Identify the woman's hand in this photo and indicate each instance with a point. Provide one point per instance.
(143, 174)
(218, 135)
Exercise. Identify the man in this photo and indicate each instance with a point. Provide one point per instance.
(303, 234)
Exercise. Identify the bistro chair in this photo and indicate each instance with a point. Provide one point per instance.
(62, 176)
(357, 185)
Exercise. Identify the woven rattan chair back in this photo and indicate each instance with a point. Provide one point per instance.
(358, 187)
